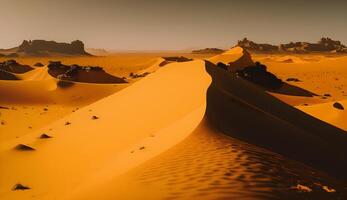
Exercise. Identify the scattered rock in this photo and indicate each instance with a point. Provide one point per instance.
(67, 123)
(327, 95)
(95, 117)
(141, 148)
(45, 109)
(20, 187)
(45, 136)
(23, 147)
(338, 106)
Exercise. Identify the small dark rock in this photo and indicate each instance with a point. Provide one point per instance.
(338, 106)
(293, 80)
(22, 147)
(95, 117)
(20, 187)
(67, 123)
(141, 148)
(45, 136)
(327, 95)
(2, 107)
(38, 64)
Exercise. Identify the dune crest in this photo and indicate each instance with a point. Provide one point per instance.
(237, 58)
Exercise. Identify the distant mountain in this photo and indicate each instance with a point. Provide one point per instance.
(46, 48)
(325, 45)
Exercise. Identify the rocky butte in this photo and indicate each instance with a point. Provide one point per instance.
(47, 48)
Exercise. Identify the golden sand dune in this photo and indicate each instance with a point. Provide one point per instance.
(106, 143)
(190, 130)
(236, 57)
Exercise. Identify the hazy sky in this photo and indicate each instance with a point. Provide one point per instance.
(162, 24)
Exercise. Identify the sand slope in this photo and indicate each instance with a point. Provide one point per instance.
(87, 147)
(328, 113)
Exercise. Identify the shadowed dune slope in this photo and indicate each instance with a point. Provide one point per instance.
(242, 110)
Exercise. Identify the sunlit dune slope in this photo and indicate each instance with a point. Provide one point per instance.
(237, 57)
(329, 113)
(128, 127)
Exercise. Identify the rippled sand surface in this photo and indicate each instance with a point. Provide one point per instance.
(210, 165)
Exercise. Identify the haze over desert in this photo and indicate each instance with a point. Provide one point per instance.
(194, 102)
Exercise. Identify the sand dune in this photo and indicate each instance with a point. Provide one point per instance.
(236, 57)
(190, 130)
(72, 146)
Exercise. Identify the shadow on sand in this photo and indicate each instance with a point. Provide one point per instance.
(245, 111)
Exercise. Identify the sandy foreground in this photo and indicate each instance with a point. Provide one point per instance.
(156, 137)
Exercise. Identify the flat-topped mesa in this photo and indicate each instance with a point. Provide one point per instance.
(42, 47)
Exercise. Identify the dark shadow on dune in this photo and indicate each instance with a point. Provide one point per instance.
(293, 90)
(242, 110)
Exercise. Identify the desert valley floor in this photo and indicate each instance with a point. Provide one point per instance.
(175, 129)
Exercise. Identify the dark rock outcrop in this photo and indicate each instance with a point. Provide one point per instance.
(76, 73)
(208, 51)
(325, 45)
(13, 67)
(177, 59)
(254, 47)
(4, 75)
(260, 76)
(39, 64)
